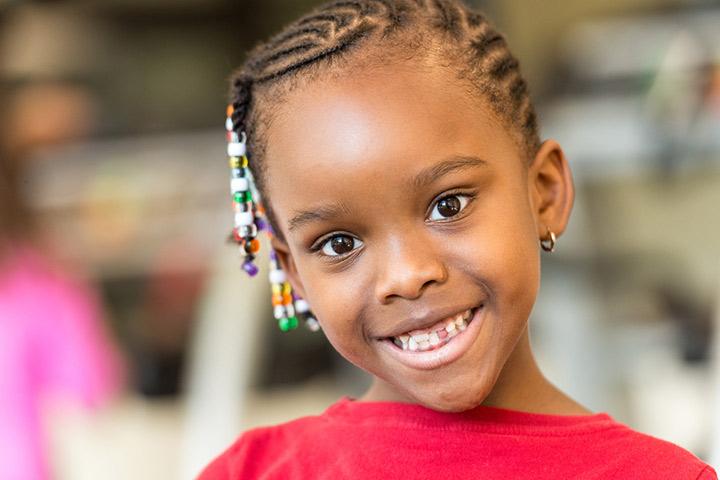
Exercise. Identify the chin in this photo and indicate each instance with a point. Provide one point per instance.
(453, 400)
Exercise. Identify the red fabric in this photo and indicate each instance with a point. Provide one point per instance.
(388, 440)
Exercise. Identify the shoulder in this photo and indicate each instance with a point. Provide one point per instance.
(633, 451)
(263, 449)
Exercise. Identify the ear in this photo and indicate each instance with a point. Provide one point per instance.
(551, 189)
(287, 263)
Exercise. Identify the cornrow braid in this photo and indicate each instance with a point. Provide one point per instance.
(340, 28)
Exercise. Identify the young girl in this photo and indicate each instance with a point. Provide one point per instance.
(396, 149)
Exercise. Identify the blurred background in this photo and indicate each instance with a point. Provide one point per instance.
(131, 344)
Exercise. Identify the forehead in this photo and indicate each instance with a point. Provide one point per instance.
(378, 124)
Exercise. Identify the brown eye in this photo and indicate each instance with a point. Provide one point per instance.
(340, 245)
(448, 207)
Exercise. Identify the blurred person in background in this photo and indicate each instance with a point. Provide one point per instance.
(53, 345)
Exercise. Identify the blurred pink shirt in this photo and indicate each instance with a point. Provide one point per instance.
(52, 343)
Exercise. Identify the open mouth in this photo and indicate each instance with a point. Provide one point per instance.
(437, 335)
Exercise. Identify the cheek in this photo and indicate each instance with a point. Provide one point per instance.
(334, 300)
(501, 252)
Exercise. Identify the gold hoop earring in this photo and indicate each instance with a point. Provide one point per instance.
(548, 243)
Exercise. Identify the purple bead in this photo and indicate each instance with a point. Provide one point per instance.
(273, 255)
(260, 223)
(250, 268)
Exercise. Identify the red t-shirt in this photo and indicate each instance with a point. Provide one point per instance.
(389, 440)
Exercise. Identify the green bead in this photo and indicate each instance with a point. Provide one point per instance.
(284, 324)
(288, 323)
(242, 197)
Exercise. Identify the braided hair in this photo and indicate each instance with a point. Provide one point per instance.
(342, 28)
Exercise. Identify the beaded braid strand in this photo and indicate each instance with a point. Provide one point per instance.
(249, 221)
(247, 218)
(286, 304)
(282, 300)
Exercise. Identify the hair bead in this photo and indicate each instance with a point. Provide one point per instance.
(246, 231)
(236, 149)
(277, 276)
(244, 218)
(301, 306)
(250, 268)
(239, 184)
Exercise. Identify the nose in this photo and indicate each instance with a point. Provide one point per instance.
(408, 266)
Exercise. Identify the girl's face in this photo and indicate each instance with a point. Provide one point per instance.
(405, 203)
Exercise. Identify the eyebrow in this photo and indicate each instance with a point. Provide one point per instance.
(453, 164)
(326, 212)
(421, 180)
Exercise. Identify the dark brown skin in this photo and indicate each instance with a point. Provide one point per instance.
(356, 143)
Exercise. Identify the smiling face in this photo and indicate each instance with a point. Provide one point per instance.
(404, 202)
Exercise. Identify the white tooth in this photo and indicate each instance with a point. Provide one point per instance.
(404, 338)
(453, 333)
(434, 339)
(424, 345)
(450, 327)
(421, 337)
(462, 326)
(412, 344)
(459, 320)
(467, 314)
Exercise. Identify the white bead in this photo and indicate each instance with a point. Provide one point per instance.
(244, 218)
(312, 324)
(302, 305)
(277, 276)
(236, 149)
(229, 124)
(248, 231)
(290, 310)
(239, 184)
(278, 312)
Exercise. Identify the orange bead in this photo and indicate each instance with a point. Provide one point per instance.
(229, 110)
(254, 245)
(287, 299)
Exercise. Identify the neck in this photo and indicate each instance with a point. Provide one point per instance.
(520, 386)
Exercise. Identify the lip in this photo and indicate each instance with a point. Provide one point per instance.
(438, 357)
